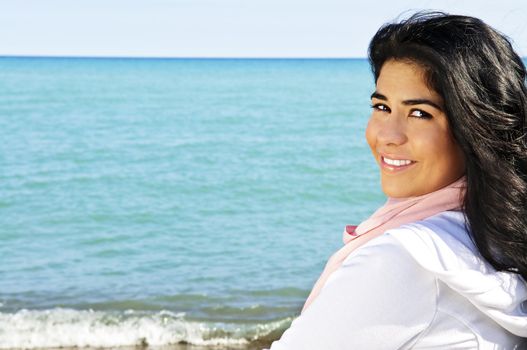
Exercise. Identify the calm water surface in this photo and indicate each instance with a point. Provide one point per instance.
(157, 201)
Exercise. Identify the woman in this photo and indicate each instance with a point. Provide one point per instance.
(443, 264)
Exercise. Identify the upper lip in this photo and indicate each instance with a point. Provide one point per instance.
(394, 157)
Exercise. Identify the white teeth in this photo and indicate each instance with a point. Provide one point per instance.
(397, 162)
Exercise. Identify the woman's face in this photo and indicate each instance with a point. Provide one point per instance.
(409, 135)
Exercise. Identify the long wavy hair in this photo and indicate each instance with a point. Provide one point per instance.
(482, 81)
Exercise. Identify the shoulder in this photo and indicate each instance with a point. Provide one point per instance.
(440, 243)
(438, 247)
(387, 259)
(449, 227)
(439, 236)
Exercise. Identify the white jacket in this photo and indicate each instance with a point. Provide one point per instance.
(420, 286)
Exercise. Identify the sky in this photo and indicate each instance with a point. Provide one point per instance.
(224, 28)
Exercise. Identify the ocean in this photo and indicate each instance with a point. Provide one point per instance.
(183, 203)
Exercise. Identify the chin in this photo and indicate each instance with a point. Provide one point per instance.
(395, 191)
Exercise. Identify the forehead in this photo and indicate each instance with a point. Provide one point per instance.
(405, 78)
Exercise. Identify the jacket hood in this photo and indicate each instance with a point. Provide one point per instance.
(442, 245)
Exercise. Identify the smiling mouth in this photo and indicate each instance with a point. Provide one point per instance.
(396, 164)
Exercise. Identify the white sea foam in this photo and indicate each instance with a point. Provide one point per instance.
(59, 327)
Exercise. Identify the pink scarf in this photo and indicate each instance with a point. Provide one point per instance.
(394, 213)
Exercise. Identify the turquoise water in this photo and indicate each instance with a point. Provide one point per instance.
(194, 200)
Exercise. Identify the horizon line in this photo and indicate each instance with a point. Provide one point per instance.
(187, 57)
(2, 56)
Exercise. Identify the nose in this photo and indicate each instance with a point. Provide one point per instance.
(392, 131)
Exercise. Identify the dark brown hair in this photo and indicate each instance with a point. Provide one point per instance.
(482, 81)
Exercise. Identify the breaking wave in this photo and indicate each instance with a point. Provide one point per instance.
(61, 327)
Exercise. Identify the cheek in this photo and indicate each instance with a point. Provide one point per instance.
(440, 155)
(371, 134)
(429, 148)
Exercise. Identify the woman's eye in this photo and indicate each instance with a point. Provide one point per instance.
(380, 107)
(420, 114)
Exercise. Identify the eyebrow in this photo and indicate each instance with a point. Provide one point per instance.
(412, 102)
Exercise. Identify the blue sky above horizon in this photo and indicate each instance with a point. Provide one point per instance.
(223, 28)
